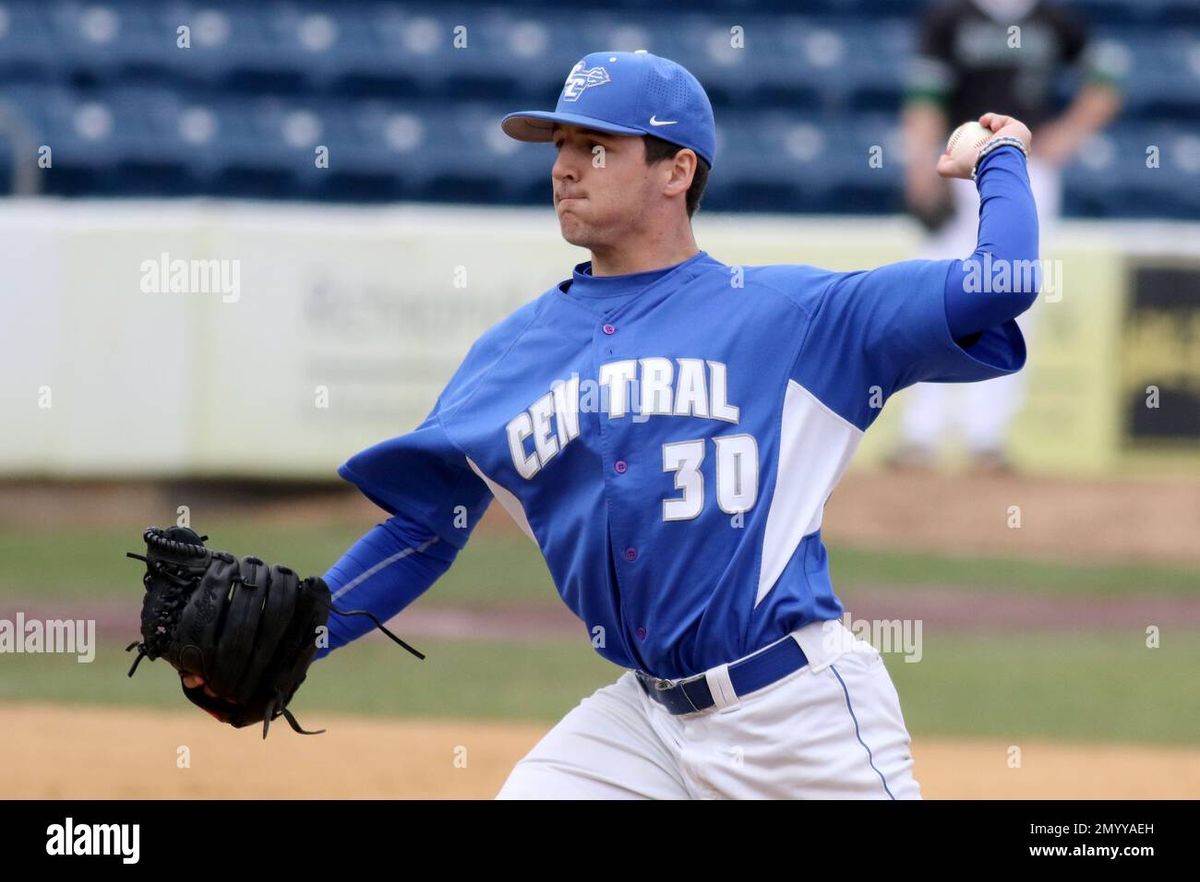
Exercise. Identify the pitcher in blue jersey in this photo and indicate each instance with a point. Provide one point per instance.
(667, 429)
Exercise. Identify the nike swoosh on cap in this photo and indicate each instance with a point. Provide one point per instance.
(655, 121)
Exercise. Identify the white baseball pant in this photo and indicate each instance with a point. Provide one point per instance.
(830, 730)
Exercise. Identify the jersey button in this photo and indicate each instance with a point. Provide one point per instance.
(641, 632)
(631, 554)
(620, 466)
(609, 329)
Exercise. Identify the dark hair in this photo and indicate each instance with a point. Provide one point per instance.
(657, 150)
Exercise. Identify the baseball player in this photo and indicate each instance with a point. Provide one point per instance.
(667, 428)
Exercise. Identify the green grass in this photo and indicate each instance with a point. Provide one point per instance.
(851, 566)
(521, 681)
(76, 563)
(1078, 687)
(89, 562)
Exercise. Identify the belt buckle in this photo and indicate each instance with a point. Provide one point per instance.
(657, 683)
(662, 685)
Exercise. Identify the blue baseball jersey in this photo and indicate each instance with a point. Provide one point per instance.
(671, 451)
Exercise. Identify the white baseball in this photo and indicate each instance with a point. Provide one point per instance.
(966, 140)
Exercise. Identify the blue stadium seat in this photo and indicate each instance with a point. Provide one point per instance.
(413, 47)
(272, 144)
(103, 41)
(319, 38)
(1160, 70)
(405, 114)
(735, 76)
(776, 161)
(874, 9)
(880, 57)
(834, 65)
(1140, 12)
(380, 152)
(392, 57)
(1113, 175)
(33, 103)
(231, 46)
(96, 136)
(479, 163)
(27, 46)
(1165, 80)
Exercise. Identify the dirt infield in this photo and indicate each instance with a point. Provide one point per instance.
(85, 753)
(1069, 519)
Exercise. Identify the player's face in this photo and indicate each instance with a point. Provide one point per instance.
(601, 185)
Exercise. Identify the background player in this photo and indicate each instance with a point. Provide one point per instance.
(974, 55)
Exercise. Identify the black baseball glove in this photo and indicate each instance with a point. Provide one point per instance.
(250, 630)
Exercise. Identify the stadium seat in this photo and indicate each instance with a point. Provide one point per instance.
(1137, 171)
(1163, 13)
(28, 50)
(1164, 80)
(407, 97)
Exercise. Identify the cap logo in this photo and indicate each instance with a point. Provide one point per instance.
(579, 79)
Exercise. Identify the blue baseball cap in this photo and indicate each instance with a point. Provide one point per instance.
(627, 93)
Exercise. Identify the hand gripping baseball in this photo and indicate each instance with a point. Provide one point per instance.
(958, 161)
(247, 629)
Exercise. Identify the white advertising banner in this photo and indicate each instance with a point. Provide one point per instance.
(208, 338)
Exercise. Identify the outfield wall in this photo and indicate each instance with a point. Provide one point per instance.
(335, 327)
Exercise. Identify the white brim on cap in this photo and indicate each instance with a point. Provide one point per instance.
(537, 125)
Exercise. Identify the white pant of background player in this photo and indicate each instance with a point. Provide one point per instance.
(985, 409)
(830, 730)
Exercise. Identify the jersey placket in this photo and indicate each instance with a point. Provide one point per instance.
(614, 338)
(618, 492)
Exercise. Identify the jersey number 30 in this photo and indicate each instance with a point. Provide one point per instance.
(737, 475)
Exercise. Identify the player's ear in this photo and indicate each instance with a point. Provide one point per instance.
(683, 169)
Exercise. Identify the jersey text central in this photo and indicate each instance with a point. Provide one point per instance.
(638, 388)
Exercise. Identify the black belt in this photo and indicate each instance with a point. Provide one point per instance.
(761, 669)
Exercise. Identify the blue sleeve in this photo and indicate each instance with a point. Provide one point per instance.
(1001, 279)
(879, 331)
(383, 572)
(425, 477)
(435, 499)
